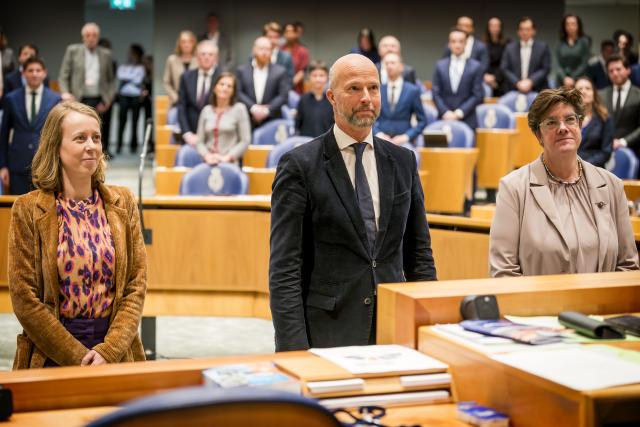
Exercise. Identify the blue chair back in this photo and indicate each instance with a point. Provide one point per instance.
(488, 90)
(272, 133)
(293, 99)
(495, 116)
(172, 116)
(289, 114)
(281, 149)
(625, 164)
(229, 407)
(224, 179)
(518, 102)
(431, 113)
(459, 134)
(188, 157)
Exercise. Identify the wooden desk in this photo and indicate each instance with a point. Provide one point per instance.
(527, 146)
(450, 177)
(496, 158)
(632, 189)
(402, 308)
(77, 394)
(528, 399)
(256, 156)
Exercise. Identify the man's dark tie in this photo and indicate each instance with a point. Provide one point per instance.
(33, 107)
(618, 102)
(202, 98)
(363, 193)
(392, 104)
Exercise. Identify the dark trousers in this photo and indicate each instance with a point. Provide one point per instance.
(90, 332)
(20, 183)
(93, 103)
(128, 103)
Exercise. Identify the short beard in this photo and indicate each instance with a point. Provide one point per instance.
(364, 122)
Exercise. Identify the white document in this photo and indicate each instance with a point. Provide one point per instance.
(541, 321)
(352, 384)
(372, 359)
(410, 398)
(577, 368)
(422, 380)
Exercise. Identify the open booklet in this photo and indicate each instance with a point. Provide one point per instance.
(526, 334)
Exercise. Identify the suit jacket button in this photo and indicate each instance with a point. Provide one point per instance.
(374, 264)
(367, 301)
(30, 146)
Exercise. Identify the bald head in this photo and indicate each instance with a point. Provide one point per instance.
(262, 51)
(348, 64)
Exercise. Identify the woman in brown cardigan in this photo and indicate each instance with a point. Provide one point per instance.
(77, 261)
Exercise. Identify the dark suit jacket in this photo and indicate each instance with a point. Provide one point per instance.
(398, 121)
(18, 155)
(13, 81)
(188, 108)
(408, 73)
(599, 75)
(276, 91)
(469, 95)
(627, 122)
(597, 141)
(322, 275)
(539, 65)
(635, 75)
(479, 52)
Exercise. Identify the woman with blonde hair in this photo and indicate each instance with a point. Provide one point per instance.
(77, 261)
(183, 59)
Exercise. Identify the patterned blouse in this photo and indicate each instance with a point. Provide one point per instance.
(86, 258)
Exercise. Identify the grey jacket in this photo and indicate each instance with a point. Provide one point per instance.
(71, 78)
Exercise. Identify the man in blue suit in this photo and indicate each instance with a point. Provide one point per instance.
(457, 82)
(400, 100)
(25, 111)
(473, 48)
(526, 62)
(15, 80)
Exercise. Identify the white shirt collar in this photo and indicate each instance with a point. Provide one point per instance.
(255, 66)
(345, 140)
(527, 43)
(625, 87)
(38, 91)
(397, 82)
(457, 58)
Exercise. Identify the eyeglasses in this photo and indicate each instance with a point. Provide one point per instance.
(367, 416)
(571, 121)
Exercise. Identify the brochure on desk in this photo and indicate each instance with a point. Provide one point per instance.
(373, 359)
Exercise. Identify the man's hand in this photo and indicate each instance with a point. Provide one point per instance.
(66, 96)
(259, 112)
(450, 115)
(524, 85)
(4, 176)
(490, 79)
(93, 358)
(616, 144)
(102, 107)
(190, 138)
(400, 139)
(568, 82)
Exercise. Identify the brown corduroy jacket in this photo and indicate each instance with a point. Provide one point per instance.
(34, 288)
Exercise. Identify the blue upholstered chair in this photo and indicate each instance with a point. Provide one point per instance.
(495, 116)
(625, 164)
(225, 179)
(172, 116)
(272, 133)
(432, 116)
(459, 134)
(294, 99)
(289, 114)
(518, 102)
(228, 407)
(187, 156)
(488, 90)
(280, 149)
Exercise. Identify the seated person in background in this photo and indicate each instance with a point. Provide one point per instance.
(473, 48)
(25, 111)
(526, 62)
(273, 31)
(183, 59)
(77, 261)
(597, 69)
(623, 102)
(559, 214)
(390, 44)
(400, 101)
(224, 128)
(15, 80)
(315, 113)
(130, 76)
(597, 126)
(457, 83)
(572, 53)
(367, 45)
(299, 55)
(195, 90)
(262, 86)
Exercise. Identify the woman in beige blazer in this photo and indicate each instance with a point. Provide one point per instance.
(560, 214)
(77, 260)
(183, 59)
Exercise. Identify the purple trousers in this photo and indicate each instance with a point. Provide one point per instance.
(90, 332)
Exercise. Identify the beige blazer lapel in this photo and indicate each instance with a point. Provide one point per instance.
(600, 205)
(117, 219)
(539, 187)
(47, 224)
